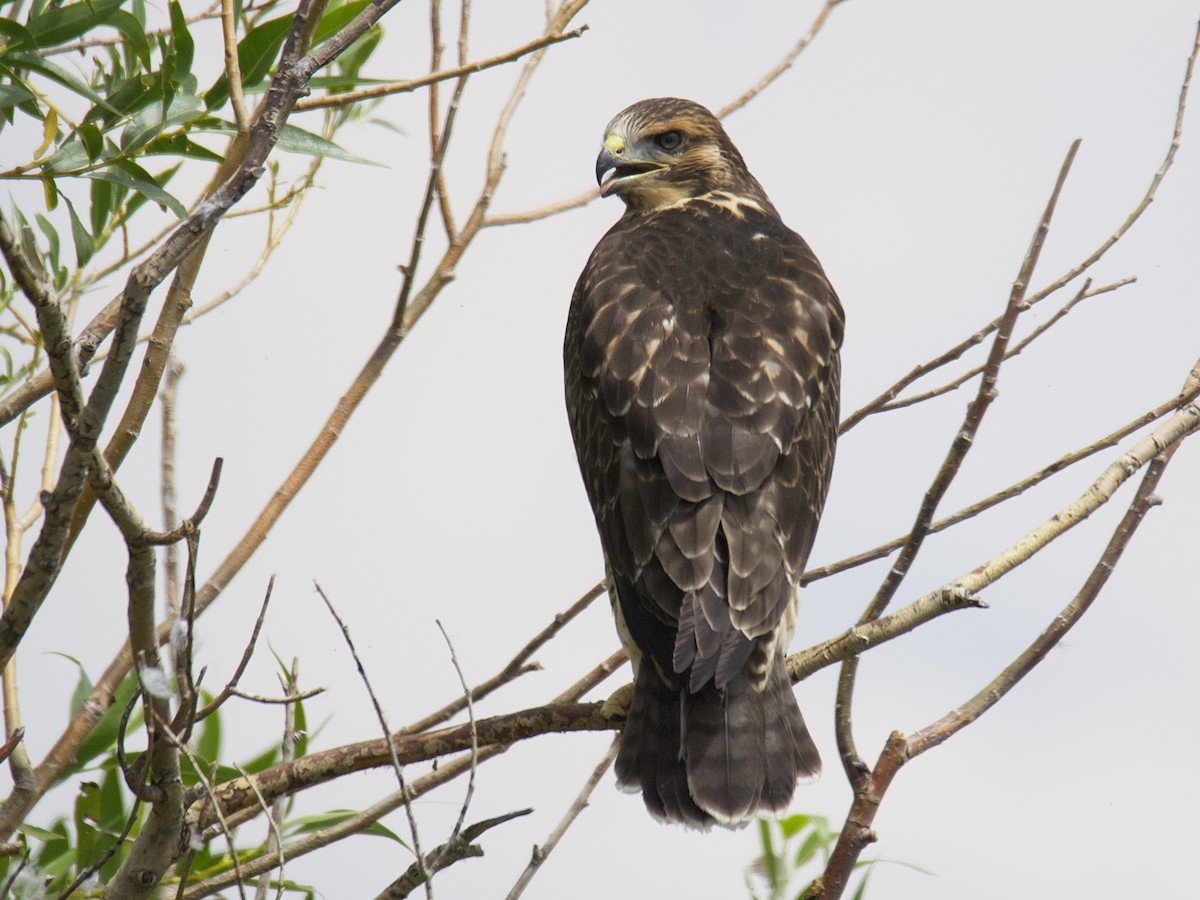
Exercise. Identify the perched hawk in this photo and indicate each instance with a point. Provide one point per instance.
(702, 387)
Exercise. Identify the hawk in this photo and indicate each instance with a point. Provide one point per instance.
(702, 373)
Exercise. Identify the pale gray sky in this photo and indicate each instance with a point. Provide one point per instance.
(914, 146)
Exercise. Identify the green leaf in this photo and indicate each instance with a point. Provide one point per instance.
(181, 145)
(342, 82)
(93, 141)
(293, 140)
(124, 97)
(150, 122)
(357, 54)
(51, 190)
(317, 821)
(85, 246)
(793, 825)
(40, 833)
(134, 33)
(12, 94)
(54, 72)
(336, 18)
(256, 51)
(297, 140)
(862, 885)
(70, 157)
(54, 247)
(301, 730)
(133, 176)
(20, 38)
(264, 760)
(816, 840)
(57, 26)
(102, 205)
(208, 744)
(769, 860)
(185, 47)
(103, 738)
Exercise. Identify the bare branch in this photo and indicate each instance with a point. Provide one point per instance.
(233, 72)
(433, 78)
(856, 770)
(383, 726)
(578, 806)
(515, 667)
(585, 197)
(783, 65)
(247, 654)
(955, 352)
(857, 832)
(457, 848)
(1084, 293)
(1063, 462)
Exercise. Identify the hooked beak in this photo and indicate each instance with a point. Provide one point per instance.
(614, 170)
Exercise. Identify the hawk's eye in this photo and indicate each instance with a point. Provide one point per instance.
(669, 140)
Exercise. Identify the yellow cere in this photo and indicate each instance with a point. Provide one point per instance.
(614, 143)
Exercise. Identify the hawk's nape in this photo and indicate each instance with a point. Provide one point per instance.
(702, 389)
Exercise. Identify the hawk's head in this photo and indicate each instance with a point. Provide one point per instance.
(662, 151)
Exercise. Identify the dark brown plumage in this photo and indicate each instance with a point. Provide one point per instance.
(702, 378)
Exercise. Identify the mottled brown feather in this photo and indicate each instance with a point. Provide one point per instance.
(702, 382)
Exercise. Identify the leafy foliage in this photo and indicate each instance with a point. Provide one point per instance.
(792, 848)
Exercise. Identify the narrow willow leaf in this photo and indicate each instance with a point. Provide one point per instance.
(57, 26)
(12, 94)
(336, 18)
(102, 204)
(150, 122)
(185, 47)
(85, 246)
(293, 140)
(357, 54)
(51, 191)
(53, 243)
(70, 157)
(181, 145)
(40, 833)
(54, 72)
(256, 51)
(144, 186)
(49, 133)
(18, 34)
(133, 32)
(93, 141)
(306, 824)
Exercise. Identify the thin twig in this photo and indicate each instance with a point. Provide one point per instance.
(171, 586)
(585, 197)
(233, 71)
(515, 666)
(457, 848)
(419, 787)
(783, 65)
(456, 832)
(247, 654)
(856, 770)
(580, 803)
(1062, 463)
(287, 749)
(955, 352)
(383, 726)
(1084, 293)
(857, 833)
(405, 87)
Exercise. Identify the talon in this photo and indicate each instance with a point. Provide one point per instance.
(617, 706)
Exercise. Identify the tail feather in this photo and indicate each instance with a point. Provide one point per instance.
(718, 755)
(649, 758)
